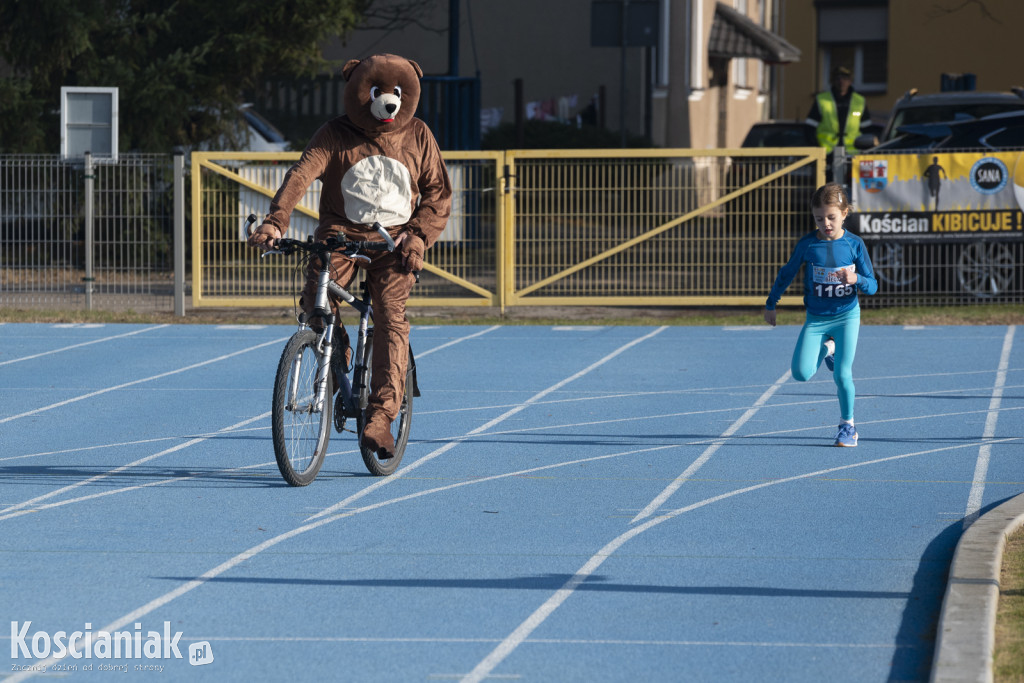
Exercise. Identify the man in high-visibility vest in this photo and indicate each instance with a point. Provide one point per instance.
(839, 114)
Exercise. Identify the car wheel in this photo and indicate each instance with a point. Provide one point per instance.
(985, 269)
(890, 265)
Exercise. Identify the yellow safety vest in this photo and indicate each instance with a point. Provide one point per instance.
(828, 127)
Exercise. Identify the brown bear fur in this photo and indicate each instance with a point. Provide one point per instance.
(345, 154)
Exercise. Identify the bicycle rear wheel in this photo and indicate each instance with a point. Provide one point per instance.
(301, 428)
(399, 427)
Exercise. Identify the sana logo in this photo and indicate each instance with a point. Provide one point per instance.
(989, 175)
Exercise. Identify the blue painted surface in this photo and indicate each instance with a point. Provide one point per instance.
(135, 461)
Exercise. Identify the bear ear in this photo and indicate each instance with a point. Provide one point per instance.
(417, 69)
(349, 67)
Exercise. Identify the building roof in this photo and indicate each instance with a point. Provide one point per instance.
(733, 34)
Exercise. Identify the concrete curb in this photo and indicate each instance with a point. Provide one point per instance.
(966, 633)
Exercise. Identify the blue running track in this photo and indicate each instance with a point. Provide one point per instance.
(576, 504)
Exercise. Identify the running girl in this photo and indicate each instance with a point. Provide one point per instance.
(837, 268)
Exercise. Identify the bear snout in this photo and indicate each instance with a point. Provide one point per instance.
(385, 107)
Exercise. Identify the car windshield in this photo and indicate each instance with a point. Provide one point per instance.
(797, 135)
(912, 115)
(262, 126)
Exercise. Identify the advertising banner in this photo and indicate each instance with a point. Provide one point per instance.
(938, 196)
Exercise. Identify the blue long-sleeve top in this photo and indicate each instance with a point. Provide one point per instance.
(824, 294)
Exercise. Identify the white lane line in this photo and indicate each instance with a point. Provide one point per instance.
(538, 641)
(325, 517)
(186, 587)
(482, 428)
(235, 430)
(985, 452)
(18, 509)
(92, 394)
(135, 487)
(521, 633)
(76, 346)
(592, 564)
(82, 449)
(412, 466)
(711, 439)
(453, 342)
(660, 499)
(122, 444)
(960, 393)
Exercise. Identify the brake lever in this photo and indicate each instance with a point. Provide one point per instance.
(384, 233)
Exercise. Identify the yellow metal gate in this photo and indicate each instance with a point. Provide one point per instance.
(545, 227)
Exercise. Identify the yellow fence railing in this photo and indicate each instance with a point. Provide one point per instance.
(545, 227)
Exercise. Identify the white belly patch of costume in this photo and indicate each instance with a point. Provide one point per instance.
(378, 189)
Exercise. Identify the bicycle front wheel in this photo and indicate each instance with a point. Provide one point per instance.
(399, 427)
(301, 424)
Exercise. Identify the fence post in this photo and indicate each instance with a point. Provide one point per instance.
(179, 234)
(839, 163)
(89, 184)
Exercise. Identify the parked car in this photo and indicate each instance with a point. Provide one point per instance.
(261, 134)
(984, 268)
(995, 132)
(914, 108)
(252, 132)
(781, 134)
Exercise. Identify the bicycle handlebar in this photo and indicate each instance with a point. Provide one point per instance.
(335, 243)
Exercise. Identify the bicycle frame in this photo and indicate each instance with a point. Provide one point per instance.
(300, 431)
(327, 287)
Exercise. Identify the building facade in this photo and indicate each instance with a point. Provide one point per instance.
(895, 45)
(699, 74)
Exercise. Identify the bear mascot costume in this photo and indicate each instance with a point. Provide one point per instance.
(377, 163)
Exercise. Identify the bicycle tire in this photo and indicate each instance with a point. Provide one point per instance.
(300, 435)
(401, 425)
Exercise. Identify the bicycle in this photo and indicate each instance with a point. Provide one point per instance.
(302, 409)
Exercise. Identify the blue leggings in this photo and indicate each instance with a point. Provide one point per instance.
(810, 351)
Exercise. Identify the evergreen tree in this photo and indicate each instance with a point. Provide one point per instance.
(180, 67)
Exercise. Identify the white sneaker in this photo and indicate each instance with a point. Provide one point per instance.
(847, 436)
(830, 357)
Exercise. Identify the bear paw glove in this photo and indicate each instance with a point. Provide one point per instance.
(264, 236)
(411, 248)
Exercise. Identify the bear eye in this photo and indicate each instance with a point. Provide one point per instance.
(398, 90)
(374, 93)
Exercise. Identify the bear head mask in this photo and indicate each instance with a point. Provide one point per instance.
(381, 92)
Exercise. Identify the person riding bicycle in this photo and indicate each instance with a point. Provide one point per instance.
(376, 163)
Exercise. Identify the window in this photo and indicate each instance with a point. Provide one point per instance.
(1012, 137)
(855, 35)
(868, 61)
(740, 66)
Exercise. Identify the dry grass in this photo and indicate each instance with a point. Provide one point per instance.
(1008, 662)
(985, 314)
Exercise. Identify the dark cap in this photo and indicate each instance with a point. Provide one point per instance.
(841, 72)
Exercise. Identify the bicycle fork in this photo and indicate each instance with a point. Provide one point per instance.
(324, 350)
(316, 404)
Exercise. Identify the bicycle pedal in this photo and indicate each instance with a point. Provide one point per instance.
(339, 414)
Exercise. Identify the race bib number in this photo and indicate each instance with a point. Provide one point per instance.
(827, 284)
